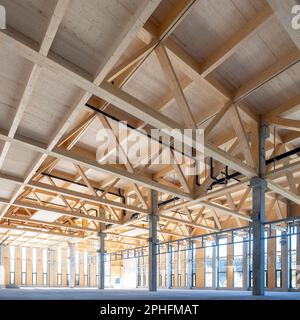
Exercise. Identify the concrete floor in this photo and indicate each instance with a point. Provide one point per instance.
(137, 294)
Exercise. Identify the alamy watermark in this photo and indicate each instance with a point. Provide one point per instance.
(122, 145)
(2, 18)
(296, 18)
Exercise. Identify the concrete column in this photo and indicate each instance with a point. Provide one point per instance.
(190, 265)
(284, 262)
(245, 265)
(2, 268)
(101, 253)
(101, 265)
(72, 265)
(152, 256)
(51, 266)
(259, 186)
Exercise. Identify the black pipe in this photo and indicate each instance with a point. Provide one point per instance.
(283, 155)
(135, 129)
(269, 161)
(223, 180)
(167, 201)
(80, 184)
(237, 174)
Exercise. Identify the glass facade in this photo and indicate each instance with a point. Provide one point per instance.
(194, 264)
(217, 260)
(12, 256)
(107, 272)
(45, 266)
(34, 266)
(85, 269)
(293, 257)
(24, 265)
(179, 265)
(208, 264)
(172, 253)
(278, 261)
(238, 246)
(59, 268)
(222, 262)
(77, 267)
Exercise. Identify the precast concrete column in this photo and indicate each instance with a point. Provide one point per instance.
(259, 187)
(101, 252)
(101, 265)
(152, 256)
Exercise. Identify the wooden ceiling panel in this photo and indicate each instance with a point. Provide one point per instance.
(13, 77)
(258, 53)
(18, 161)
(89, 28)
(48, 106)
(211, 23)
(29, 16)
(148, 84)
(277, 91)
(7, 188)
